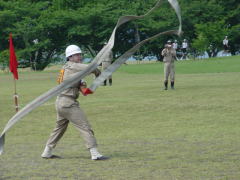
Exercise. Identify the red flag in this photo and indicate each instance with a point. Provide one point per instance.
(13, 64)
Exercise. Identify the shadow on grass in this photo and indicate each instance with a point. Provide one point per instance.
(54, 157)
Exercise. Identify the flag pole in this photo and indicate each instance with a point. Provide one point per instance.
(15, 96)
(13, 64)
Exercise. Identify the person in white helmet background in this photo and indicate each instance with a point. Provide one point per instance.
(225, 44)
(169, 56)
(184, 49)
(175, 47)
(68, 109)
(107, 62)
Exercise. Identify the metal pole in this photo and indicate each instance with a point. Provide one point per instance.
(15, 95)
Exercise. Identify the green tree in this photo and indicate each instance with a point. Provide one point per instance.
(211, 33)
(54, 24)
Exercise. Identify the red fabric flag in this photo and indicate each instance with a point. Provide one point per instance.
(13, 64)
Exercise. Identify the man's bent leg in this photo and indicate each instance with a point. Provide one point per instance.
(59, 130)
(79, 120)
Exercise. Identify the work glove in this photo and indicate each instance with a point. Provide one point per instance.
(86, 91)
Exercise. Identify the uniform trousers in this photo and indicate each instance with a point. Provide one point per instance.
(68, 110)
(105, 64)
(169, 69)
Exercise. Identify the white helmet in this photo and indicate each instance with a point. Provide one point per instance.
(71, 50)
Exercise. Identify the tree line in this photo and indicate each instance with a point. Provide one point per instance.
(42, 29)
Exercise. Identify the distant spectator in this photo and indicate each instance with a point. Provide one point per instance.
(211, 50)
(225, 44)
(175, 47)
(184, 48)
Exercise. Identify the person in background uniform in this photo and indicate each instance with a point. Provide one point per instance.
(211, 50)
(107, 62)
(184, 48)
(169, 55)
(175, 47)
(68, 109)
(225, 44)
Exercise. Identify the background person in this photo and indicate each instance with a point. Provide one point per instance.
(211, 51)
(184, 49)
(225, 44)
(175, 47)
(107, 62)
(169, 55)
(68, 109)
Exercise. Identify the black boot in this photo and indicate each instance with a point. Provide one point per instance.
(110, 82)
(105, 83)
(172, 84)
(166, 85)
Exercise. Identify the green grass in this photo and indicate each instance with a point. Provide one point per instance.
(191, 133)
(212, 65)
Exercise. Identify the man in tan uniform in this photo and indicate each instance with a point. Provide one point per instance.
(169, 55)
(107, 62)
(68, 109)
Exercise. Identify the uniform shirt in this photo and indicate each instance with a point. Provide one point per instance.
(169, 55)
(70, 69)
(184, 45)
(175, 45)
(225, 42)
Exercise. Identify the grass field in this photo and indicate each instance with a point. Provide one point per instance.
(190, 133)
